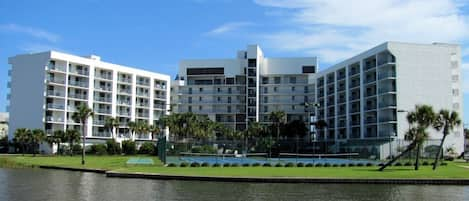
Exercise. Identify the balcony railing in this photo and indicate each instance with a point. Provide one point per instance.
(103, 111)
(125, 91)
(103, 76)
(123, 102)
(54, 119)
(78, 96)
(126, 80)
(160, 86)
(103, 99)
(387, 104)
(386, 89)
(55, 106)
(383, 75)
(56, 68)
(55, 93)
(144, 115)
(123, 113)
(143, 94)
(98, 122)
(80, 72)
(143, 104)
(55, 80)
(78, 83)
(103, 88)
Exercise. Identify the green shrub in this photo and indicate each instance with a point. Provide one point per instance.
(343, 165)
(309, 165)
(369, 164)
(398, 164)
(256, 164)
(289, 165)
(172, 165)
(351, 164)
(129, 147)
(216, 165)
(360, 165)
(234, 165)
(408, 164)
(327, 165)
(246, 165)
(278, 165)
(300, 165)
(449, 158)
(112, 147)
(443, 164)
(76, 149)
(425, 163)
(267, 165)
(381, 164)
(146, 148)
(226, 165)
(205, 164)
(335, 165)
(98, 149)
(195, 164)
(184, 164)
(318, 165)
(204, 149)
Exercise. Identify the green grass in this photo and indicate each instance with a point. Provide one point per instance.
(118, 163)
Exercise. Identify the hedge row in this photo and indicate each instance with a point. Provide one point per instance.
(195, 164)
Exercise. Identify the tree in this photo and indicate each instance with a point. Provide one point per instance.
(445, 121)
(277, 118)
(154, 129)
(71, 136)
(297, 129)
(22, 138)
(142, 128)
(419, 120)
(36, 138)
(132, 128)
(82, 115)
(110, 124)
(254, 130)
(56, 138)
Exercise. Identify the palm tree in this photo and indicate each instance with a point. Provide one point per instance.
(142, 128)
(278, 118)
(22, 137)
(71, 136)
(37, 137)
(110, 124)
(298, 129)
(154, 129)
(254, 130)
(132, 128)
(82, 115)
(445, 121)
(56, 138)
(419, 120)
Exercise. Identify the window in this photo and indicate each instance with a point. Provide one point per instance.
(275, 89)
(265, 109)
(293, 98)
(200, 108)
(266, 99)
(189, 108)
(218, 99)
(229, 108)
(201, 89)
(218, 90)
(306, 89)
(266, 90)
(455, 92)
(229, 90)
(293, 107)
(277, 80)
(229, 99)
(292, 80)
(200, 98)
(265, 80)
(455, 78)
(292, 88)
(306, 99)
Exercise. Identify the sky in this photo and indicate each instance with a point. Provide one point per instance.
(155, 35)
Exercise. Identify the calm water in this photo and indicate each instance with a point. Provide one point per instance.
(38, 184)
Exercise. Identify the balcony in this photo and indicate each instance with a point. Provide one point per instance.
(142, 115)
(98, 122)
(123, 102)
(79, 72)
(55, 80)
(78, 96)
(103, 111)
(103, 99)
(97, 133)
(387, 118)
(58, 68)
(123, 113)
(388, 103)
(78, 83)
(71, 108)
(54, 119)
(160, 96)
(103, 76)
(103, 88)
(55, 93)
(125, 80)
(382, 90)
(55, 106)
(142, 105)
(386, 75)
(159, 86)
(143, 94)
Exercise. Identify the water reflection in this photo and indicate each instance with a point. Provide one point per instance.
(37, 184)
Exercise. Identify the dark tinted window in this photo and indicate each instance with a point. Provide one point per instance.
(309, 69)
(205, 71)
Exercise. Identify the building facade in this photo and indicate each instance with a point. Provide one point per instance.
(246, 88)
(364, 99)
(47, 87)
(3, 124)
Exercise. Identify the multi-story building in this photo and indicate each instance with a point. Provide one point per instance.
(3, 124)
(246, 88)
(47, 87)
(364, 99)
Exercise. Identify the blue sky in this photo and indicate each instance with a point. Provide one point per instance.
(155, 35)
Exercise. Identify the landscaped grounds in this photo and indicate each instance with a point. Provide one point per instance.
(451, 170)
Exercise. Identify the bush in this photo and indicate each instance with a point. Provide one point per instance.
(98, 149)
(226, 165)
(289, 165)
(343, 165)
(318, 165)
(184, 164)
(278, 165)
(205, 164)
(112, 147)
(398, 164)
(256, 164)
(381, 164)
(449, 158)
(425, 163)
(147, 148)
(216, 165)
(76, 149)
(309, 165)
(360, 165)
(172, 165)
(267, 165)
(369, 164)
(246, 165)
(408, 164)
(443, 164)
(335, 165)
(234, 165)
(129, 147)
(327, 165)
(204, 149)
(351, 164)
(300, 165)
(195, 164)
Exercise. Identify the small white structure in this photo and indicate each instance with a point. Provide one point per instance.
(3, 124)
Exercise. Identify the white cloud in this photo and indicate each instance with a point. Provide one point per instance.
(228, 27)
(34, 32)
(337, 29)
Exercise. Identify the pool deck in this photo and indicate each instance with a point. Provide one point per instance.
(138, 175)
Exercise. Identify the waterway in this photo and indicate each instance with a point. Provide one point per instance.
(40, 184)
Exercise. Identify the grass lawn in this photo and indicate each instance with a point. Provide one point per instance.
(118, 163)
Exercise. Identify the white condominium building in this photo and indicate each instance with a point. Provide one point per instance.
(246, 88)
(47, 87)
(364, 99)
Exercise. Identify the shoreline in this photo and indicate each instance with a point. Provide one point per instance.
(155, 176)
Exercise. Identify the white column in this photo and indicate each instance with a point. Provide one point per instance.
(90, 100)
